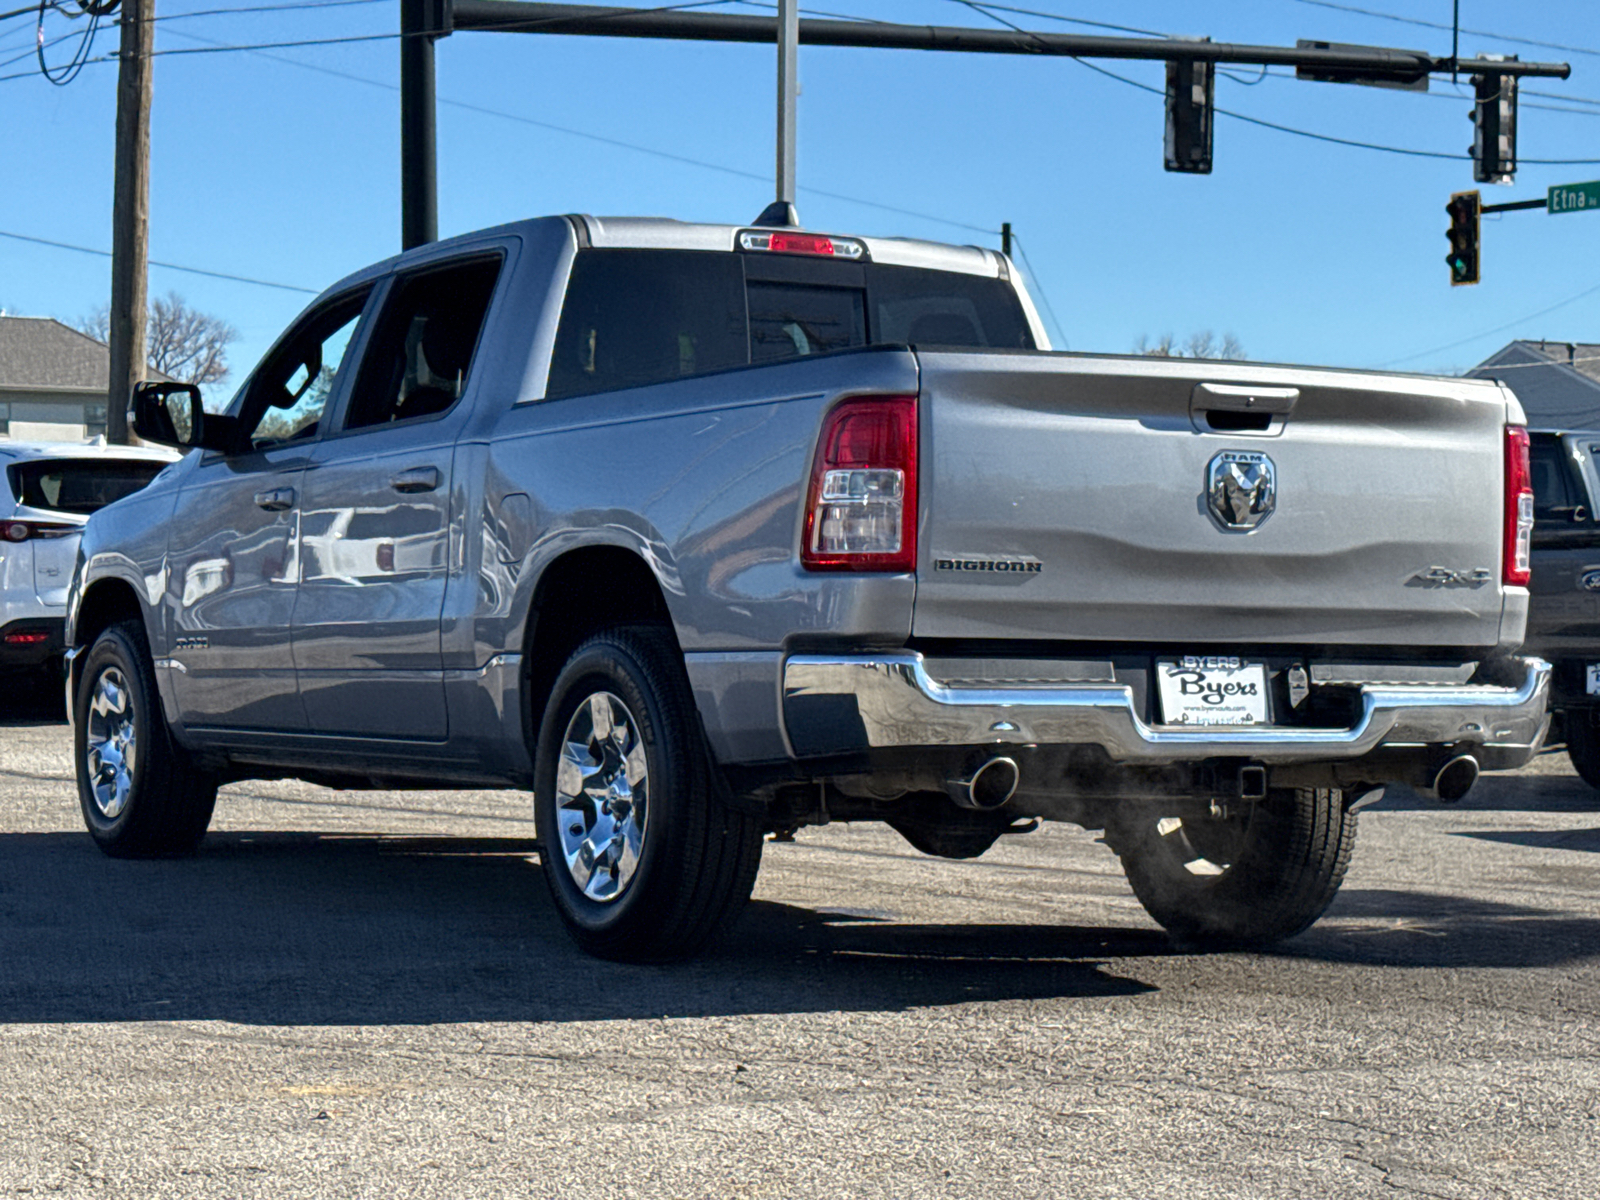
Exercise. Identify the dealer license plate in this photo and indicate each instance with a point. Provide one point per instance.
(1212, 690)
(1592, 679)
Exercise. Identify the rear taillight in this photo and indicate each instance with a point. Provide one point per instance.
(861, 510)
(22, 531)
(1516, 567)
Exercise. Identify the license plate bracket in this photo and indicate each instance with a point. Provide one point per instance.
(1198, 689)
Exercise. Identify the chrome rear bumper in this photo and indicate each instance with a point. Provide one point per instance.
(847, 704)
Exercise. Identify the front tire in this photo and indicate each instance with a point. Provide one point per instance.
(141, 796)
(645, 863)
(1252, 878)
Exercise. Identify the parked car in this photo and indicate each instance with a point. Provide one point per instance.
(47, 494)
(708, 532)
(1564, 616)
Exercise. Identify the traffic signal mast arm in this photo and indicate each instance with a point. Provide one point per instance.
(527, 16)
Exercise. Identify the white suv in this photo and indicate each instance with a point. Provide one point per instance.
(47, 492)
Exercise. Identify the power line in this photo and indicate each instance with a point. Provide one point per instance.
(286, 287)
(667, 155)
(1497, 329)
(261, 8)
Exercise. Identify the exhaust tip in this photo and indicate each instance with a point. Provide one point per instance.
(1455, 779)
(989, 787)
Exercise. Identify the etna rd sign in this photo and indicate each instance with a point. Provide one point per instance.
(1574, 197)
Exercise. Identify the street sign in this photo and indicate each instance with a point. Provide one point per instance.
(1574, 197)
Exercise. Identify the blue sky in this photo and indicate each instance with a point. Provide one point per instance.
(277, 166)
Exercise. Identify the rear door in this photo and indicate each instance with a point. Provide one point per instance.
(235, 542)
(1159, 501)
(376, 516)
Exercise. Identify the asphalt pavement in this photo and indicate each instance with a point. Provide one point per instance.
(354, 994)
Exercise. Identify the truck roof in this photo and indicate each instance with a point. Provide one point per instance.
(665, 233)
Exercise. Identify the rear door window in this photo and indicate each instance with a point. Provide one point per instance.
(424, 344)
(77, 485)
(634, 317)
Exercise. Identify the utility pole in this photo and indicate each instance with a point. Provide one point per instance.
(788, 92)
(420, 22)
(130, 213)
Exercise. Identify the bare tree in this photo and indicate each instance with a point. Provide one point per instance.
(180, 342)
(1197, 345)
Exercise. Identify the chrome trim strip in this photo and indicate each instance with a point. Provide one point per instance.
(900, 704)
(70, 678)
(172, 664)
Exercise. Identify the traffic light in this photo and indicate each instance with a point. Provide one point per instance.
(1494, 119)
(1191, 99)
(1463, 235)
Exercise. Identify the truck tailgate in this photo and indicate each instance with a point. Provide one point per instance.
(1066, 497)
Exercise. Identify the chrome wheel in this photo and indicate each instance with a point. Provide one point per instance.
(602, 797)
(111, 749)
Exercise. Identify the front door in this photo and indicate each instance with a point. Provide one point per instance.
(376, 516)
(235, 544)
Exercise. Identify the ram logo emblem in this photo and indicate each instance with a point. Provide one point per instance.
(1241, 488)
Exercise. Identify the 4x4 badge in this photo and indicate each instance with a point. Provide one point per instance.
(1241, 488)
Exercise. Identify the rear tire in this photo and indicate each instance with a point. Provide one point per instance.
(1245, 880)
(140, 794)
(1583, 744)
(644, 861)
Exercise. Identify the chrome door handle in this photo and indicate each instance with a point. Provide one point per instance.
(276, 500)
(417, 479)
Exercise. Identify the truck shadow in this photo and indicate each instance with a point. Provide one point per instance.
(291, 929)
(1391, 928)
(282, 928)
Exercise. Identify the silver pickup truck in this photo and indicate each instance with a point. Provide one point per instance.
(708, 533)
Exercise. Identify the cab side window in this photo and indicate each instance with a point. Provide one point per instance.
(422, 349)
(290, 390)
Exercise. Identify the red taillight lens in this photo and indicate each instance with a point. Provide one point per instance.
(861, 510)
(800, 243)
(27, 637)
(21, 531)
(1516, 566)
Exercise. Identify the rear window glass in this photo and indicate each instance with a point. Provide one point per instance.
(77, 485)
(634, 317)
(788, 320)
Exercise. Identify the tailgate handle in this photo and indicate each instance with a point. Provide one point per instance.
(1241, 408)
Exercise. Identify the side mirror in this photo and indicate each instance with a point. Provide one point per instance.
(170, 414)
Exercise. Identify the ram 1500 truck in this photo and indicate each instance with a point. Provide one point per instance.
(704, 533)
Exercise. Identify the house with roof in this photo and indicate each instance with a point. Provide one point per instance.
(1558, 383)
(52, 381)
